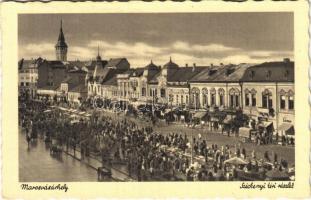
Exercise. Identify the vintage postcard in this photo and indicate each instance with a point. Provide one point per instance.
(159, 100)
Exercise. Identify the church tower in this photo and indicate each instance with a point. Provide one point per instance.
(61, 46)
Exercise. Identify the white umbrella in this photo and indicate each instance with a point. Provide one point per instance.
(236, 161)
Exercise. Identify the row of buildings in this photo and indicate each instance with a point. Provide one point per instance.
(264, 91)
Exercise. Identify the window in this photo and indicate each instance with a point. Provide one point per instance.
(177, 99)
(291, 102)
(237, 102)
(221, 100)
(252, 74)
(264, 101)
(22, 83)
(213, 100)
(231, 100)
(221, 93)
(268, 74)
(253, 99)
(282, 102)
(171, 98)
(27, 84)
(162, 91)
(205, 103)
(182, 99)
(187, 99)
(270, 101)
(143, 91)
(246, 99)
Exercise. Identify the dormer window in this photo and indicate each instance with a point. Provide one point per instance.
(268, 74)
(252, 74)
(286, 73)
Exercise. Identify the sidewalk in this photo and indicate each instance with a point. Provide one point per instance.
(93, 162)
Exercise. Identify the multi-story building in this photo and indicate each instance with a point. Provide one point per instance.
(28, 76)
(265, 92)
(268, 94)
(103, 71)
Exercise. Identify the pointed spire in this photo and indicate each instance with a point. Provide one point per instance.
(151, 62)
(170, 59)
(98, 58)
(61, 38)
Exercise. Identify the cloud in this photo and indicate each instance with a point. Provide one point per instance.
(179, 45)
(31, 50)
(139, 54)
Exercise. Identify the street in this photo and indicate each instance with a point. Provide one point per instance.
(36, 165)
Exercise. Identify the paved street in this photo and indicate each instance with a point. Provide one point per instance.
(285, 152)
(36, 165)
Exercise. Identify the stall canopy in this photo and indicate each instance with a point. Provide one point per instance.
(287, 128)
(200, 115)
(214, 119)
(236, 161)
(227, 119)
(244, 132)
(61, 108)
(266, 124)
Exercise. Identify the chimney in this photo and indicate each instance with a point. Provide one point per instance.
(286, 60)
(221, 64)
(212, 65)
(186, 64)
(193, 68)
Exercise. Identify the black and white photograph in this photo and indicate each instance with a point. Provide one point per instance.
(156, 97)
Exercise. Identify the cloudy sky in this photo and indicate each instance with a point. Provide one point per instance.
(201, 38)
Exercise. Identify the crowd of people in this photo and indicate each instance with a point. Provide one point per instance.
(148, 155)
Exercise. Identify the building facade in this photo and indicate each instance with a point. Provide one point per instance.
(28, 76)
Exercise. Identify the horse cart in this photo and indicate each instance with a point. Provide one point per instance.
(55, 150)
(103, 174)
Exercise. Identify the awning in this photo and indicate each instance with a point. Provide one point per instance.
(244, 132)
(46, 111)
(265, 124)
(287, 128)
(200, 115)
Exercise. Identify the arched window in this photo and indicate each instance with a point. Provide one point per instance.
(221, 93)
(247, 97)
(162, 91)
(143, 91)
(267, 99)
(234, 96)
(253, 97)
(213, 96)
(205, 98)
(290, 100)
(195, 97)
